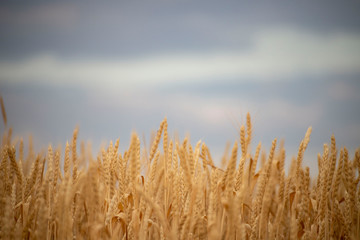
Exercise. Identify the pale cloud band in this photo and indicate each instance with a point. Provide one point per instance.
(274, 54)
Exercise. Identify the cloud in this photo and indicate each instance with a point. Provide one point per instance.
(275, 54)
(342, 91)
(287, 114)
(49, 14)
(214, 112)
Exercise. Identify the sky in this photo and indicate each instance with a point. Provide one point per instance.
(113, 67)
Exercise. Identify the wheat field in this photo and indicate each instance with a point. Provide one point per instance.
(173, 190)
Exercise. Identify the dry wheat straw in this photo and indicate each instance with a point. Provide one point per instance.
(177, 192)
(3, 112)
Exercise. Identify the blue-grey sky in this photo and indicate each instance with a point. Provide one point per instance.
(113, 67)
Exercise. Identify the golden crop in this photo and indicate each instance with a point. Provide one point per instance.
(175, 191)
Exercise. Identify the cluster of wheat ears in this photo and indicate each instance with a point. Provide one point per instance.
(175, 191)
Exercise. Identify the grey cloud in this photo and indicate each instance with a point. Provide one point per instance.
(74, 29)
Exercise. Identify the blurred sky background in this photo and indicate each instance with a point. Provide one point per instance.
(114, 67)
